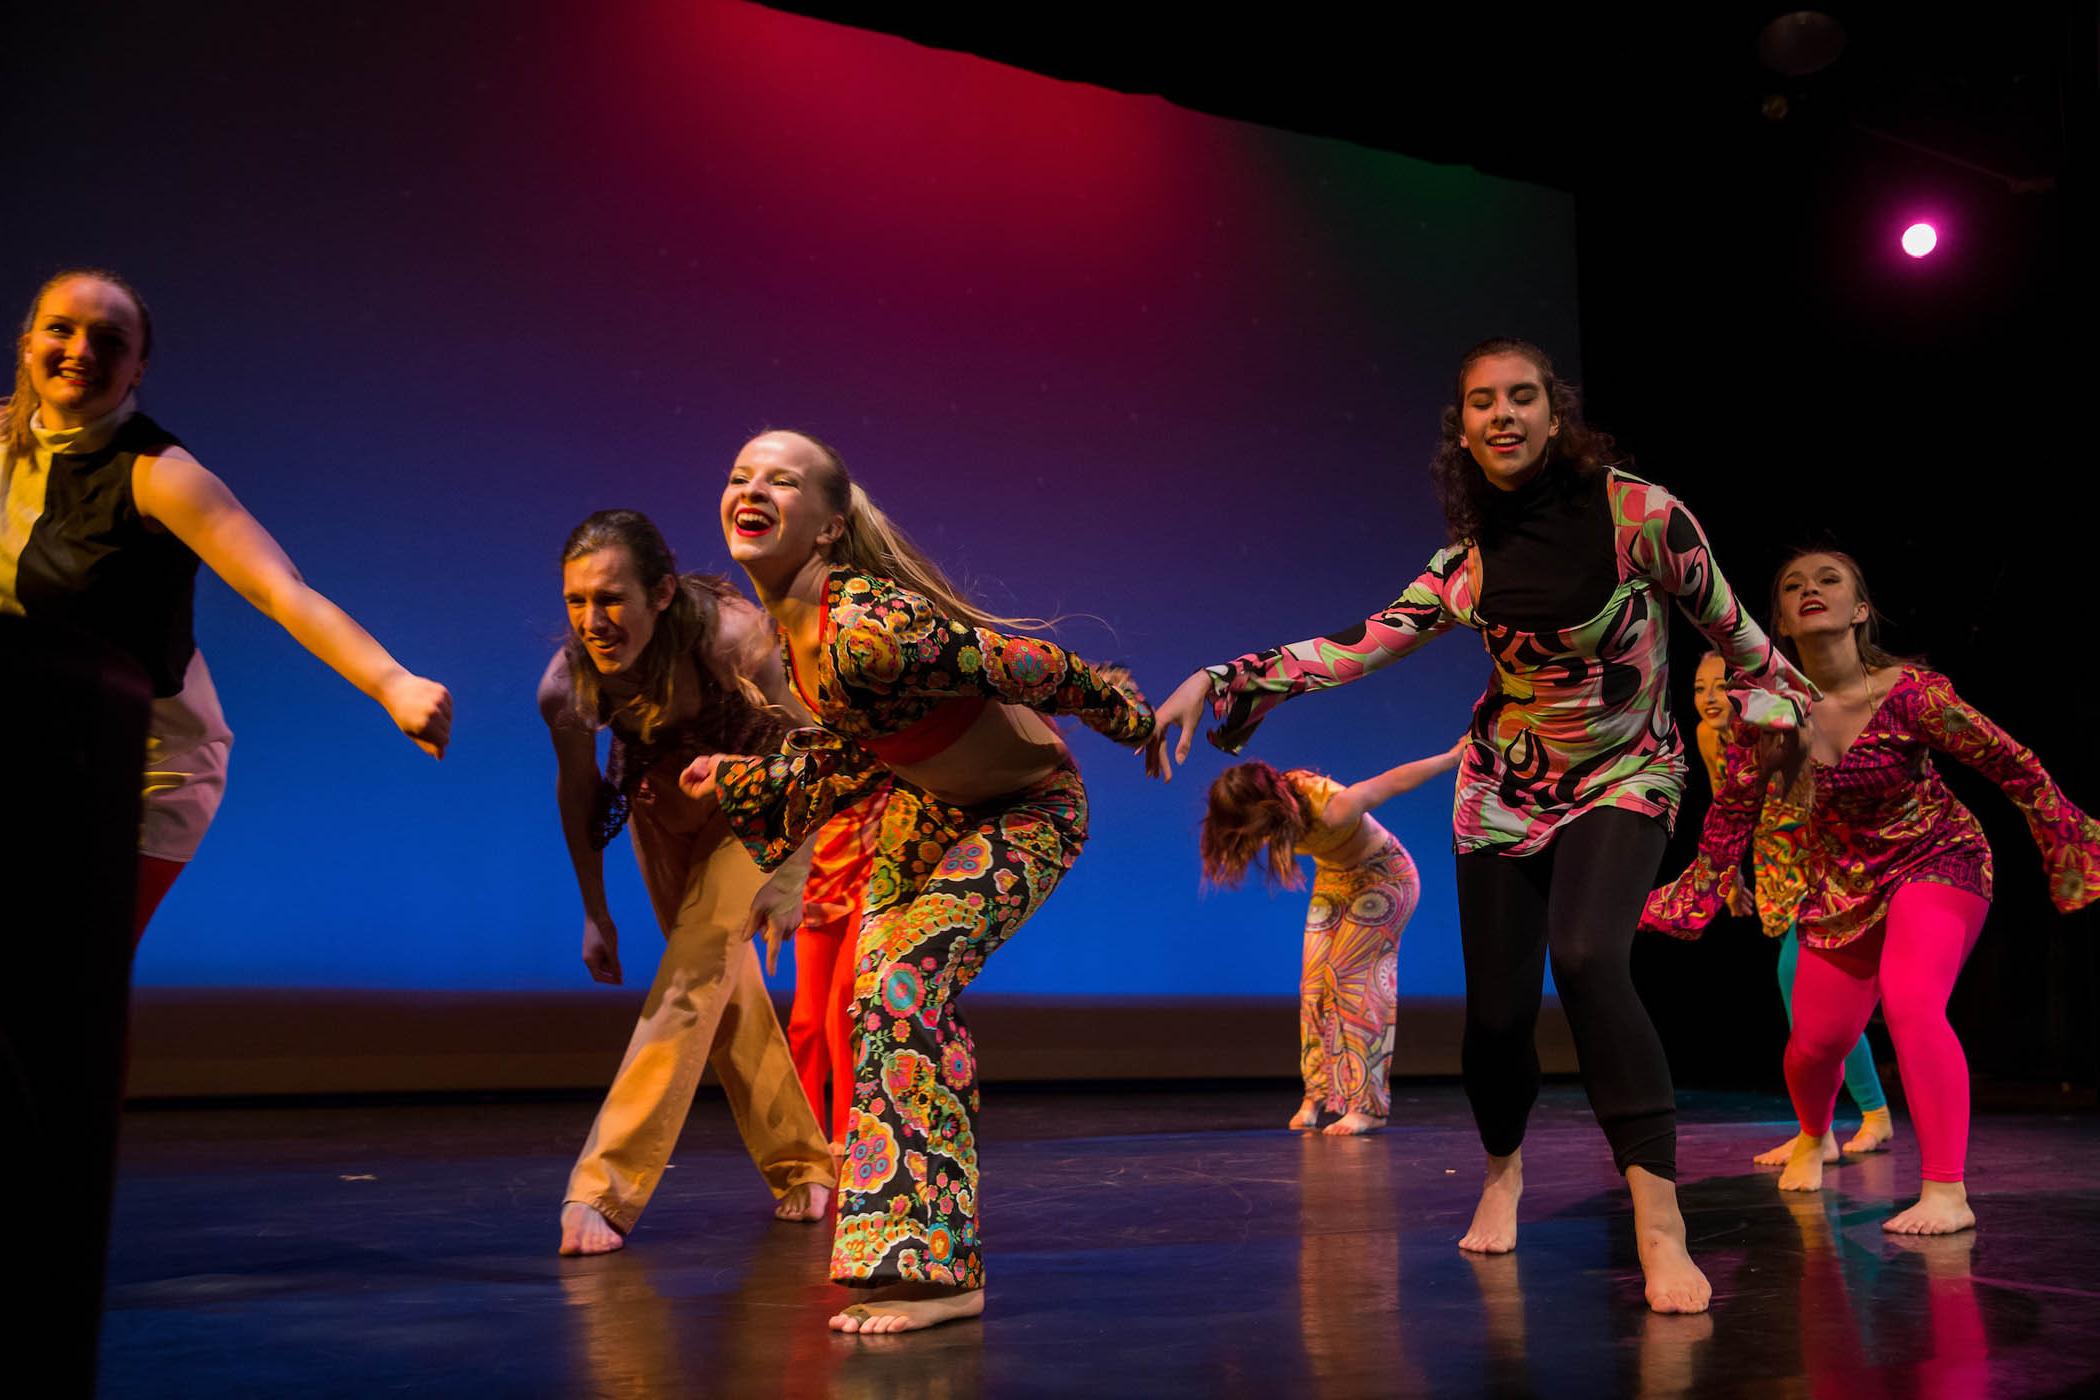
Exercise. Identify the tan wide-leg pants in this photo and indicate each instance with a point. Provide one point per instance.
(708, 1005)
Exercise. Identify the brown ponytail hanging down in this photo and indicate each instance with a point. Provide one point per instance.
(1254, 816)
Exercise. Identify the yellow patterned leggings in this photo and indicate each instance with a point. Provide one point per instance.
(1347, 996)
(948, 886)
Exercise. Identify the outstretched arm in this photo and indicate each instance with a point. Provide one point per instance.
(1686, 905)
(777, 802)
(1241, 692)
(2069, 839)
(196, 506)
(897, 642)
(1671, 548)
(1358, 798)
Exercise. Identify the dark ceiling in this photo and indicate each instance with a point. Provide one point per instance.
(1573, 93)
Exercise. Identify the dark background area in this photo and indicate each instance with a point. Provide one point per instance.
(1747, 317)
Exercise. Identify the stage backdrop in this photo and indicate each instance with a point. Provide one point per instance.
(432, 284)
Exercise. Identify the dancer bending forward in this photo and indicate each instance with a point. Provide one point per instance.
(1364, 891)
(676, 665)
(1573, 770)
(1897, 872)
(986, 814)
(1776, 888)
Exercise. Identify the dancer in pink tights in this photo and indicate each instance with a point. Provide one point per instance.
(1898, 873)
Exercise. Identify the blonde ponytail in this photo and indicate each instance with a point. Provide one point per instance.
(873, 544)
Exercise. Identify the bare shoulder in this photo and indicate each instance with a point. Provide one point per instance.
(557, 694)
(169, 476)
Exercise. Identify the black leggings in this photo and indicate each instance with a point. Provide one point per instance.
(1580, 897)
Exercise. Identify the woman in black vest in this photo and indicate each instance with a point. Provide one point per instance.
(105, 519)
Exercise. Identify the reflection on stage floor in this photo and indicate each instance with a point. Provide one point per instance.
(1140, 1242)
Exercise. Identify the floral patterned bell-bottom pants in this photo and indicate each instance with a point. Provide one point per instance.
(949, 885)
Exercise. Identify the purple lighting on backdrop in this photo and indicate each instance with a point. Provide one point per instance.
(1920, 239)
(1038, 317)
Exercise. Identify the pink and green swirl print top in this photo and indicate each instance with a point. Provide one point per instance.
(1573, 720)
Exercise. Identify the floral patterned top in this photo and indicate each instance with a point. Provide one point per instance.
(1883, 817)
(1779, 853)
(886, 659)
(1573, 720)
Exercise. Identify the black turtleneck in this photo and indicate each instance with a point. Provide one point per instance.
(1547, 554)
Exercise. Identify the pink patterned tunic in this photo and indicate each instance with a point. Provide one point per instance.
(1883, 817)
(1573, 720)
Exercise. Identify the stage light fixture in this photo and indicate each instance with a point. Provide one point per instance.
(1920, 239)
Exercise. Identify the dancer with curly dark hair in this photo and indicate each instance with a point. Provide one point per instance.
(1574, 769)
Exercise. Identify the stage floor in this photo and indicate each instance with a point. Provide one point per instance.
(1141, 1243)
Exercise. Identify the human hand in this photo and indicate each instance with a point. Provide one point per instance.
(1184, 708)
(1784, 752)
(698, 780)
(601, 949)
(421, 709)
(776, 912)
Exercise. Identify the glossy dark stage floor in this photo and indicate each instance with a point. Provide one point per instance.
(1141, 1243)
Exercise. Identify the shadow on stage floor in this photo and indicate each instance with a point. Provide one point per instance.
(1146, 1243)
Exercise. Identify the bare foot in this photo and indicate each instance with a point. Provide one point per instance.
(1779, 1156)
(1804, 1166)
(1352, 1125)
(1307, 1116)
(807, 1201)
(1494, 1228)
(1674, 1283)
(1877, 1129)
(585, 1231)
(1942, 1209)
(907, 1307)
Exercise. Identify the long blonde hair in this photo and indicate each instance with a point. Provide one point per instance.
(22, 406)
(874, 544)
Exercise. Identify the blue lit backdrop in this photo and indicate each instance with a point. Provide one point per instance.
(427, 297)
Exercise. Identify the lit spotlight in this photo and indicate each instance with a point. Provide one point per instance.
(1920, 239)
